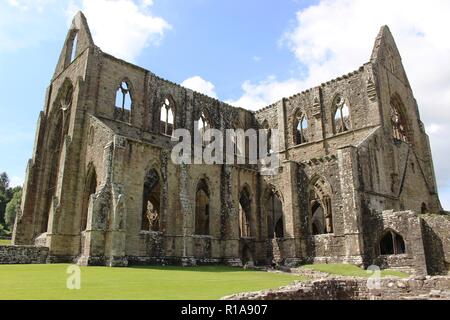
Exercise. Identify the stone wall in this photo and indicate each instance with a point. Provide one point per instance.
(356, 289)
(437, 243)
(23, 255)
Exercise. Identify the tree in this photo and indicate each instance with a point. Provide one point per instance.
(12, 208)
(3, 202)
(4, 182)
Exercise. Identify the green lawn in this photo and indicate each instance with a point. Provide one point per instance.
(5, 242)
(352, 271)
(48, 282)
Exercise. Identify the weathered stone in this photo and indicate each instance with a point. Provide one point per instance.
(354, 176)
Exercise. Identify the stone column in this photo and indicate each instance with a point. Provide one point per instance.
(351, 204)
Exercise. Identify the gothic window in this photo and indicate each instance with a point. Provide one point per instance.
(398, 122)
(202, 128)
(321, 212)
(73, 53)
(392, 244)
(151, 202)
(58, 129)
(275, 222)
(202, 209)
(341, 115)
(265, 127)
(90, 187)
(245, 203)
(66, 101)
(300, 129)
(123, 96)
(167, 118)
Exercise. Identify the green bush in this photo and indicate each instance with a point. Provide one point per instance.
(11, 209)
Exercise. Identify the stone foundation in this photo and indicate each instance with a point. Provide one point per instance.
(23, 255)
(420, 288)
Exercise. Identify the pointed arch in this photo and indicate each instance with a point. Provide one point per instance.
(151, 201)
(273, 204)
(167, 116)
(203, 123)
(202, 208)
(90, 188)
(300, 127)
(124, 99)
(246, 222)
(58, 128)
(399, 121)
(74, 47)
(320, 206)
(392, 243)
(341, 115)
(71, 51)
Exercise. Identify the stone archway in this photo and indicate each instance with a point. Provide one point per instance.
(151, 202)
(245, 214)
(275, 226)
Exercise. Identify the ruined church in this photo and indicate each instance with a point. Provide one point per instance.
(355, 183)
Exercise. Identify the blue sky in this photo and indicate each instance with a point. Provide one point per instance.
(246, 52)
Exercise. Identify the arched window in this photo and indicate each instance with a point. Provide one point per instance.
(73, 54)
(151, 202)
(392, 244)
(398, 121)
(123, 96)
(167, 118)
(202, 128)
(245, 211)
(202, 209)
(58, 128)
(90, 188)
(300, 129)
(265, 127)
(321, 212)
(341, 115)
(66, 101)
(275, 222)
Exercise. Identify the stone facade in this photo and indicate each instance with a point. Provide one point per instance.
(356, 167)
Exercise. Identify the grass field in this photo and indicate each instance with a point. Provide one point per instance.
(352, 271)
(5, 242)
(48, 282)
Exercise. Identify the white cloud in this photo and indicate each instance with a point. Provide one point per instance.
(199, 84)
(26, 23)
(335, 37)
(16, 182)
(122, 28)
(263, 93)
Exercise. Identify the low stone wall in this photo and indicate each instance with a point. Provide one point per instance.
(23, 255)
(356, 289)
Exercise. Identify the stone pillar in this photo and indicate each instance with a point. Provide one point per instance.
(351, 204)
(291, 212)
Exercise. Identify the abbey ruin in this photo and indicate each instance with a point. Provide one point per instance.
(355, 183)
